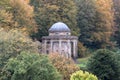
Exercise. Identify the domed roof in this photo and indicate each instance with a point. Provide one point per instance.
(59, 27)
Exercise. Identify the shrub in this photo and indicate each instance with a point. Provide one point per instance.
(105, 65)
(80, 75)
(30, 66)
(65, 66)
(12, 43)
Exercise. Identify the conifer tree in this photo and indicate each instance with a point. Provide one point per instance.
(104, 65)
(117, 21)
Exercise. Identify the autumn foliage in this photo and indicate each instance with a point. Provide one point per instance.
(6, 20)
(12, 43)
(65, 66)
(17, 14)
(96, 22)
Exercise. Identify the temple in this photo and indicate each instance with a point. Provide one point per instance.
(60, 41)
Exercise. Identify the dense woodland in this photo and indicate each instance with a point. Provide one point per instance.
(95, 22)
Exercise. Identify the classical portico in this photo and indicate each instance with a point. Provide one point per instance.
(60, 41)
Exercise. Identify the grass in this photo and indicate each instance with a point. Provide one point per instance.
(82, 62)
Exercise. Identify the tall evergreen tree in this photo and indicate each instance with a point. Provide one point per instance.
(117, 20)
(104, 65)
(50, 11)
(95, 20)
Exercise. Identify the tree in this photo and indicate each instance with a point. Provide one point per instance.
(64, 65)
(82, 50)
(80, 75)
(4, 4)
(30, 66)
(6, 18)
(117, 21)
(21, 14)
(6, 21)
(95, 20)
(104, 64)
(12, 43)
(48, 12)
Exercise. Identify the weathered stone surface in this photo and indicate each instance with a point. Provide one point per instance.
(59, 41)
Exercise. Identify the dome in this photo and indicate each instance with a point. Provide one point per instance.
(59, 27)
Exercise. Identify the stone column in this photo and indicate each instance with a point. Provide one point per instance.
(44, 47)
(51, 46)
(69, 48)
(74, 48)
(60, 46)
